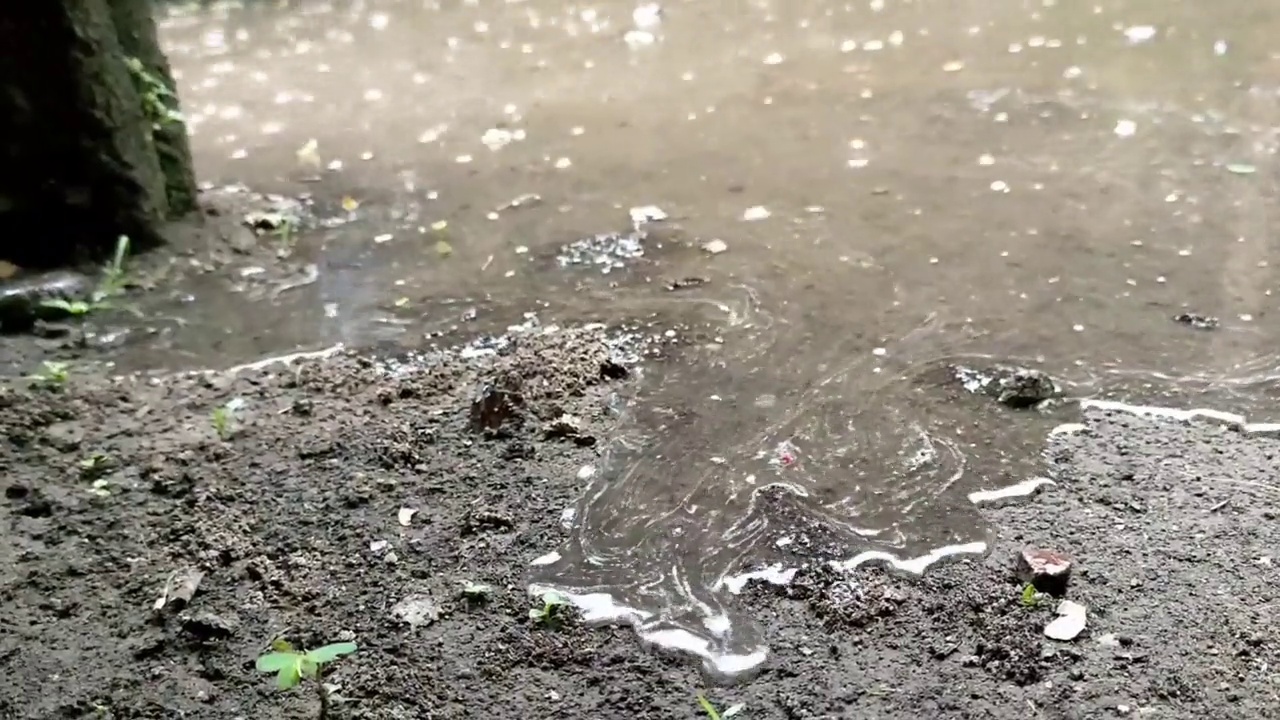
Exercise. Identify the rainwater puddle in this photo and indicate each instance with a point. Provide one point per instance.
(857, 196)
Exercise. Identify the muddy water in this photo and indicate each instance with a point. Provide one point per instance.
(897, 184)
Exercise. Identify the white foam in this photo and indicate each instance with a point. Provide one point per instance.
(720, 662)
(775, 574)
(916, 565)
(1022, 489)
(1270, 430)
(1067, 429)
(286, 359)
(1226, 418)
(602, 609)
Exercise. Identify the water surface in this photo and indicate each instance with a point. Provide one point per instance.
(898, 186)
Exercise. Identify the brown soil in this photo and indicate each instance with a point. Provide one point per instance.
(293, 519)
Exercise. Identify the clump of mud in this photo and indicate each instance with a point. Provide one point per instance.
(607, 251)
(1015, 387)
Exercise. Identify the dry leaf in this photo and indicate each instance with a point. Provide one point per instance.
(309, 155)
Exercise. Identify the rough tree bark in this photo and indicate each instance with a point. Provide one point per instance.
(84, 156)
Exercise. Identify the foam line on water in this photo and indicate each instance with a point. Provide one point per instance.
(916, 565)
(1017, 490)
(1182, 415)
(599, 608)
(1235, 421)
(287, 359)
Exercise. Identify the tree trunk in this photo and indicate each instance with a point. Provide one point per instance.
(136, 30)
(83, 157)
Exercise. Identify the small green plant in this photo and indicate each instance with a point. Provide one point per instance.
(94, 466)
(75, 308)
(111, 285)
(292, 667)
(285, 230)
(1030, 596)
(52, 375)
(476, 592)
(553, 606)
(221, 420)
(708, 708)
(114, 277)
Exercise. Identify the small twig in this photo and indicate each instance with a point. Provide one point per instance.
(1220, 505)
(322, 693)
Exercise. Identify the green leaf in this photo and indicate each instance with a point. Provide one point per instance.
(279, 644)
(57, 304)
(1241, 169)
(536, 613)
(287, 677)
(122, 249)
(307, 667)
(276, 661)
(708, 708)
(331, 652)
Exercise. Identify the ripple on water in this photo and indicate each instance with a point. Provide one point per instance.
(700, 492)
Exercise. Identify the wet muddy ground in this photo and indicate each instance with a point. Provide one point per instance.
(856, 197)
(349, 499)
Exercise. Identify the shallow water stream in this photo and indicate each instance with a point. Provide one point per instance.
(894, 185)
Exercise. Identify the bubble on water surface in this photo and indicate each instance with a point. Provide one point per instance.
(1137, 34)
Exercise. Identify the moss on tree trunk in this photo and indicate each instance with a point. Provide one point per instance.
(81, 160)
(136, 31)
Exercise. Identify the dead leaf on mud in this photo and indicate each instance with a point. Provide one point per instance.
(309, 155)
(443, 248)
(715, 247)
(350, 204)
(1071, 620)
(180, 587)
(7, 270)
(521, 201)
(405, 516)
(416, 610)
(646, 214)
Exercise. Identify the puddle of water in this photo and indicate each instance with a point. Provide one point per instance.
(1052, 182)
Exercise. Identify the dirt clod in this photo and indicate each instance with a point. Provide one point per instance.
(1048, 570)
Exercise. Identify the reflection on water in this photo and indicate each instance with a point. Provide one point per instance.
(1048, 181)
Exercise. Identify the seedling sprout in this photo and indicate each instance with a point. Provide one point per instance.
(292, 667)
(111, 285)
(708, 708)
(52, 374)
(221, 420)
(553, 606)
